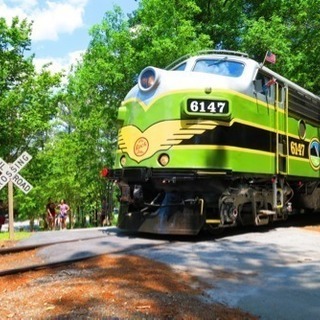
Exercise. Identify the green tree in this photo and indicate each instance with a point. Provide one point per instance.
(163, 31)
(27, 105)
(222, 21)
(291, 31)
(27, 102)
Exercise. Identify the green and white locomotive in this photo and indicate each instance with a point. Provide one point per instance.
(217, 140)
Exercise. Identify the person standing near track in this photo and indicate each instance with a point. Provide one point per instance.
(51, 214)
(64, 209)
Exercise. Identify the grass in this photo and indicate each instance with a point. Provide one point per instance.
(18, 235)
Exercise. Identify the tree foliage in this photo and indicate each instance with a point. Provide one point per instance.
(27, 100)
(165, 30)
(27, 103)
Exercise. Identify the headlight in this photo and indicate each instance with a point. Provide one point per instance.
(123, 161)
(163, 159)
(148, 79)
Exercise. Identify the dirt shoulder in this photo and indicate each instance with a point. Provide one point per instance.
(109, 287)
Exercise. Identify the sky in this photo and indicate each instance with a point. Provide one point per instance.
(60, 27)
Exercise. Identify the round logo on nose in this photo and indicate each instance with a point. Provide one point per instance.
(141, 146)
(314, 153)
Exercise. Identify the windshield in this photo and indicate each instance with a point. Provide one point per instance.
(221, 67)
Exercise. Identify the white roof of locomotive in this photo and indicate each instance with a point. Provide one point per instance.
(172, 80)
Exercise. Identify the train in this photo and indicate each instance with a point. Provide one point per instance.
(215, 140)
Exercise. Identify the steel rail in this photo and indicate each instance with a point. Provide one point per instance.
(56, 264)
(41, 266)
(21, 248)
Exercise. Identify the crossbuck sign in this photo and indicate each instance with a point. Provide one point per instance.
(10, 172)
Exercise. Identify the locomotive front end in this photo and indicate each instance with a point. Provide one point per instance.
(172, 164)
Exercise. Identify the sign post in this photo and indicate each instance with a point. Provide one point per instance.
(9, 175)
(10, 209)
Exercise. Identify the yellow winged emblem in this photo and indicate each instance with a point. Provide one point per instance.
(161, 136)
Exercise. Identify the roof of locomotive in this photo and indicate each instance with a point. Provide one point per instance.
(241, 56)
(206, 53)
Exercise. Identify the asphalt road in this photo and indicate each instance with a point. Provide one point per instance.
(272, 273)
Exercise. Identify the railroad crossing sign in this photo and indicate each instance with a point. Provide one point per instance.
(10, 172)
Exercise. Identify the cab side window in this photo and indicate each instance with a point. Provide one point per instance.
(180, 67)
(265, 86)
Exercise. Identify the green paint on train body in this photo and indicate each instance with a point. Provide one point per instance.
(249, 129)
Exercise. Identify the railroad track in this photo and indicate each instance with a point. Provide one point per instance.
(69, 260)
(297, 221)
(48, 265)
(39, 266)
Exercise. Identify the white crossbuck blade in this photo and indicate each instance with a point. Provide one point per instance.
(10, 172)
